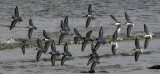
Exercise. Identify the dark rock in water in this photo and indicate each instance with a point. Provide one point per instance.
(92, 71)
(154, 67)
(84, 72)
(103, 72)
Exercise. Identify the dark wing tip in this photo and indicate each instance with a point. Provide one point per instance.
(66, 17)
(62, 24)
(38, 39)
(66, 44)
(30, 22)
(113, 50)
(52, 41)
(30, 19)
(90, 5)
(10, 28)
(75, 30)
(146, 28)
(88, 22)
(63, 60)
(101, 27)
(45, 33)
(38, 56)
(126, 15)
(92, 46)
(112, 16)
(136, 38)
(66, 47)
(136, 56)
(16, 8)
(52, 44)
(90, 31)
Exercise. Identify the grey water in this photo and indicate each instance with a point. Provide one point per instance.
(47, 14)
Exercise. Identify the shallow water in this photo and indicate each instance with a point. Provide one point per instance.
(12, 61)
(47, 14)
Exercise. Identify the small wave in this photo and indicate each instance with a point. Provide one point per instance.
(9, 41)
(15, 42)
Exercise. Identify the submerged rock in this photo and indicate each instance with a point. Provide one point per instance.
(92, 71)
(154, 67)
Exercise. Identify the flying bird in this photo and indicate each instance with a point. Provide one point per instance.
(100, 39)
(117, 23)
(77, 35)
(63, 32)
(47, 40)
(89, 16)
(65, 54)
(53, 53)
(30, 27)
(86, 39)
(148, 36)
(93, 55)
(94, 59)
(66, 24)
(114, 42)
(40, 49)
(16, 18)
(129, 24)
(24, 44)
(137, 50)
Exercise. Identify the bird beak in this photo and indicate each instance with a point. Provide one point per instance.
(69, 29)
(60, 31)
(125, 23)
(35, 49)
(133, 49)
(86, 16)
(109, 42)
(73, 34)
(143, 36)
(98, 62)
(27, 27)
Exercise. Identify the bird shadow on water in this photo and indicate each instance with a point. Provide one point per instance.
(92, 71)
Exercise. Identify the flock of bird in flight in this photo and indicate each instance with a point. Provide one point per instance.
(94, 57)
